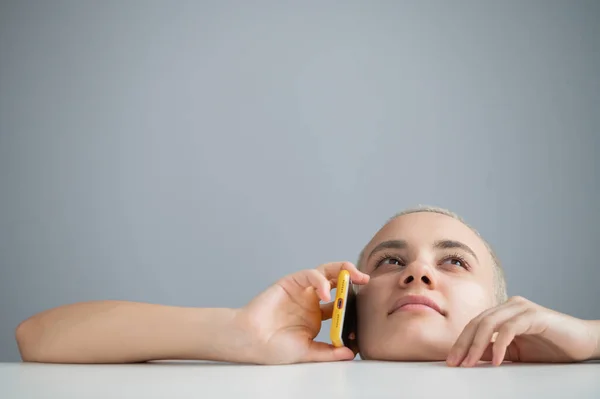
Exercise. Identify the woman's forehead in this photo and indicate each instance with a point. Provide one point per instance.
(423, 229)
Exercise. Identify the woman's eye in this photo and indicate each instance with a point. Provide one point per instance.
(391, 261)
(455, 261)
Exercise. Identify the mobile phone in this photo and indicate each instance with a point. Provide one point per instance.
(343, 319)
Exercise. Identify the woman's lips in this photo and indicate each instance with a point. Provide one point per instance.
(415, 303)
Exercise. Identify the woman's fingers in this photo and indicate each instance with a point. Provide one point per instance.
(459, 350)
(487, 328)
(477, 335)
(508, 331)
(506, 325)
(323, 278)
(332, 269)
(326, 311)
(313, 278)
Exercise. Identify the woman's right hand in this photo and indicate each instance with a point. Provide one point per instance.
(281, 323)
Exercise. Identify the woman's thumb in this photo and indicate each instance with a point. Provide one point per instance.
(323, 352)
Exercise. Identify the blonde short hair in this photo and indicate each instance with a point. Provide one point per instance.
(500, 293)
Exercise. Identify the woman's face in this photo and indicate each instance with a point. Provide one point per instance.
(421, 258)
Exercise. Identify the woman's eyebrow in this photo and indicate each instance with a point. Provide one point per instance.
(446, 244)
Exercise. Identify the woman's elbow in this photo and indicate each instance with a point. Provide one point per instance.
(28, 336)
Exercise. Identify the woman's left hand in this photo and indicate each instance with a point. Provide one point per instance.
(525, 332)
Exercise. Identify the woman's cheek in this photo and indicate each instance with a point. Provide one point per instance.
(469, 300)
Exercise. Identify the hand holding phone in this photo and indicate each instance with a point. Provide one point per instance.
(279, 326)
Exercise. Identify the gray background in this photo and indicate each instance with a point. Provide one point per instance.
(191, 153)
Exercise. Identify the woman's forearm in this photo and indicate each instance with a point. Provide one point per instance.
(126, 332)
(596, 328)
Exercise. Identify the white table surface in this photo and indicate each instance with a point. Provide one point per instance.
(355, 379)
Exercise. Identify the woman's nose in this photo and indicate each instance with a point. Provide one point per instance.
(417, 273)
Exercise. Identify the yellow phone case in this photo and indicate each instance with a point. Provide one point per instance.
(339, 308)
